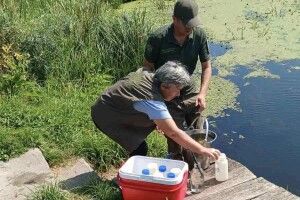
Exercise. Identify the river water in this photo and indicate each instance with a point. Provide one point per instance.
(265, 135)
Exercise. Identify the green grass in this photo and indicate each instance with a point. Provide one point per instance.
(56, 57)
(93, 38)
(104, 190)
(49, 192)
(57, 120)
(65, 66)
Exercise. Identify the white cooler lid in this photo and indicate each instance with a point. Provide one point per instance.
(132, 170)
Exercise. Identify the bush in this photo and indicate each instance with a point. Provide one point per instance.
(13, 63)
(13, 69)
(92, 38)
(42, 51)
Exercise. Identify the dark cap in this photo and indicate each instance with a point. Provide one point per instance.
(187, 12)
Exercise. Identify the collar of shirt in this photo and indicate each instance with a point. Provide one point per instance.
(171, 38)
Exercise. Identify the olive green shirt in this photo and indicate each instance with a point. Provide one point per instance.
(162, 47)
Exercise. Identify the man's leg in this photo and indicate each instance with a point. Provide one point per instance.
(175, 151)
(141, 150)
(182, 110)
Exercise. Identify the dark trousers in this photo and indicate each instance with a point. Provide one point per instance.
(141, 150)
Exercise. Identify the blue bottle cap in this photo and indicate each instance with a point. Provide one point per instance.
(162, 168)
(145, 172)
(171, 175)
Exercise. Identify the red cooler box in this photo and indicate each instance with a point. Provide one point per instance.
(147, 178)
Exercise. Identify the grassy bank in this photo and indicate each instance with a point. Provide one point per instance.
(55, 59)
(52, 70)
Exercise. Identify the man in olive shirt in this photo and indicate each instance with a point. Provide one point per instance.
(183, 41)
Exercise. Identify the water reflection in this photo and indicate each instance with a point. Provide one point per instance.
(265, 135)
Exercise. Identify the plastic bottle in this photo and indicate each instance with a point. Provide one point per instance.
(175, 171)
(221, 168)
(158, 174)
(152, 167)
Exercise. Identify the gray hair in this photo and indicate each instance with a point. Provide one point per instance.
(172, 72)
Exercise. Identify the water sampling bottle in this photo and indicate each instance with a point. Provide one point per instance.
(221, 168)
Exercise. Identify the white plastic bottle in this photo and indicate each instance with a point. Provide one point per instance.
(221, 168)
(158, 174)
(153, 167)
(175, 171)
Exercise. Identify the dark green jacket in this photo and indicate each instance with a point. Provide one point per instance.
(114, 114)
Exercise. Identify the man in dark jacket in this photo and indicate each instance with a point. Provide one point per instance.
(129, 111)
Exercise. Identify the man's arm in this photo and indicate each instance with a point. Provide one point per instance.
(170, 129)
(151, 53)
(205, 79)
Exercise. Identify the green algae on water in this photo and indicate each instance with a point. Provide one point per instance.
(261, 73)
(222, 95)
(157, 13)
(258, 31)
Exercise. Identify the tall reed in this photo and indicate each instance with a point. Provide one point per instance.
(70, 40)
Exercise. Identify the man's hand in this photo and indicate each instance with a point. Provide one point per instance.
(201, 102)
(205, 78)
(211, 152)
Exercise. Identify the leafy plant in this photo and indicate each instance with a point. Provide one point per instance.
(49, 192)
(42, 51)
(13, 66)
